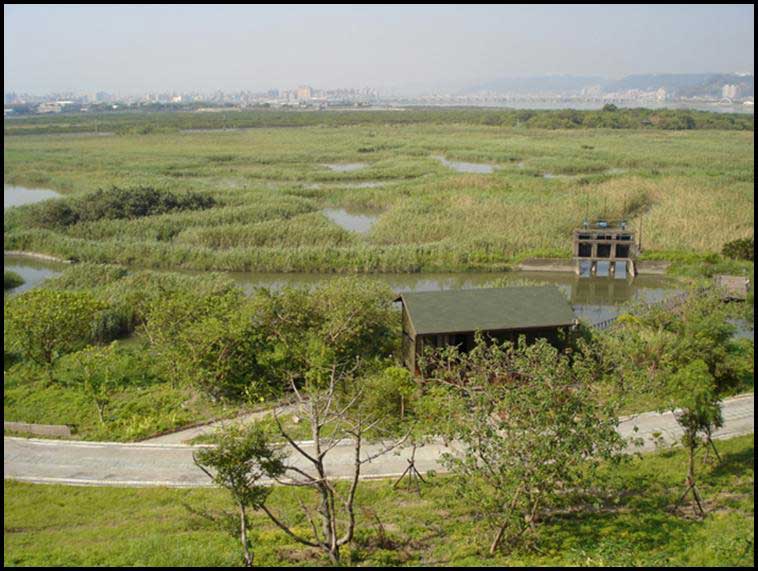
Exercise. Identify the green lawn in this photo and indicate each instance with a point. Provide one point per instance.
(144, 405)
(58, 525)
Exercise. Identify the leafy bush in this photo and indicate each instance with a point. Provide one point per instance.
(116, 204)
(45, 324)
(54, 214)
(742, 249)
(11, 280)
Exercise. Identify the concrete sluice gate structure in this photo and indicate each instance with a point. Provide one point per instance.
(605, 249)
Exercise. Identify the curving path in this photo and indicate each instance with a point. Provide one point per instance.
(157, 464)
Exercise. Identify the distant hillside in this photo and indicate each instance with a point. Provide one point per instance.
(685, 84)
(676, 84)
(543, 84)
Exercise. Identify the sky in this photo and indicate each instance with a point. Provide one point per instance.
(403, 49)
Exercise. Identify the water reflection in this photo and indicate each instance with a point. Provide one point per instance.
(345, 167)
(32, 271)
(364, 184)
(479, 168)
(594, 299)
(19, 195)
(359, 221)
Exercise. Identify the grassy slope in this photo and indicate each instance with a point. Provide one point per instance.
(143, 406)
(58, 525)
(695, 188)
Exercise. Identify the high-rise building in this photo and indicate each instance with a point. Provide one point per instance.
(730, 91)
(304, 92)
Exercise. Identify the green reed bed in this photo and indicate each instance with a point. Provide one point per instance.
(690, 191)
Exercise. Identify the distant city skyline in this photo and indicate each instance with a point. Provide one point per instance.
(401, 49)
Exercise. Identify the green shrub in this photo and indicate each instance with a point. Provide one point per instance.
(11, 280)
(116, 204)
(47, 324)
(742, 249)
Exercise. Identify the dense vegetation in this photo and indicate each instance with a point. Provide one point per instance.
(59, 525)
(123, 354)
(11, 280)
(203, 349)
(742, 249)
(199, 347)
(187, 348)
(609, 117)
(688, 193)
(116, 204)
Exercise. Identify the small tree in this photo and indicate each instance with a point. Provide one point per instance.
(684, 358)
(210, 342)
(99, 371)
(697, 408)
(334, 406)
(527, 430)
(46, 324)
(240, 460)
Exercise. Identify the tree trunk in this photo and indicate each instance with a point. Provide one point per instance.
(498, 538)
(334, 555)
(691, 480)
(100, 411)
(243, 538)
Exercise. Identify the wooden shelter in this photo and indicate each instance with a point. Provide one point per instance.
(444, 318)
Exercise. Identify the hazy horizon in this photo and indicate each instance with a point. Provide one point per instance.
(131, 49)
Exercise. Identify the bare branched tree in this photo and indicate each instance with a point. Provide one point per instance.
(339, 420)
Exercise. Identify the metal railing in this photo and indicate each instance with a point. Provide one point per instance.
(670, 302)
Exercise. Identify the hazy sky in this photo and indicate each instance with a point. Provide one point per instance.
(129, 49)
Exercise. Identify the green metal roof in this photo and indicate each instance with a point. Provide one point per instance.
(459, 311)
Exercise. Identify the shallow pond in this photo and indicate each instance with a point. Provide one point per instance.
(364, 184)
(359, 221)
(345, 167)
(594, 299)
(32, 271)
(479, 168)
(19, 195)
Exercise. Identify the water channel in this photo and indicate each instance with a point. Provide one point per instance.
(20, 195)
(594, 299)
(460, 166)
(354, 220)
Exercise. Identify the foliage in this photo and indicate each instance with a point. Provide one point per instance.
(740, 249)
(530, 431)
(100, 371)
(334, 405)
(390, 394)
(211, 342)
(239, 460)
(142, 403)
(686, 357)
(130, 122)
(116, 204)
(46, 324)
(335, 326)
(271, 188)
(11, 280)
(649, 346)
